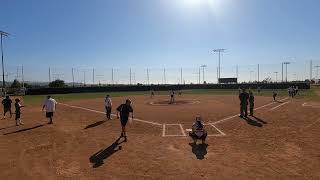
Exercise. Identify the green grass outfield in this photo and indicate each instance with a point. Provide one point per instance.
(38, 99)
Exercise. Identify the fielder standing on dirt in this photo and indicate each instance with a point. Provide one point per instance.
(172, 97)
(18, 107)
(50, 105)
(251, 102)
(244, 96)
(7, 106)
(108, 105)
(124, 110)
(274, 95)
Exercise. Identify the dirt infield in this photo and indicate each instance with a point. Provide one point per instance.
(280, 142)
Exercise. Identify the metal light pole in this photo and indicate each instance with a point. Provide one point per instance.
(93, 76)
(148, 78)
(130, 76)
(317, 67)
(2, 33)
(164, 76)
(219, 51)
(203, 66)
(72, 78)
(199, 81)
(310, 70)
(286, 63)
(22, 74)
(112, 78)
(258, 72)
(181, 79)
(282, 71)
(84, 77)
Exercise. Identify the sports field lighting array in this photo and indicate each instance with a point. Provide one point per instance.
(203, 66)
(286, 63)
(317, 67)
(219, 51)
(2, 34)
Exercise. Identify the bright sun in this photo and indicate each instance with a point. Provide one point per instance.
(210, 3)
(195, 2)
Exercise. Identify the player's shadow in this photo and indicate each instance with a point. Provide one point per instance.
(95, 124)
(98, 158)
(26, 129)
(253, 122)
(259, 120)
(200, 150)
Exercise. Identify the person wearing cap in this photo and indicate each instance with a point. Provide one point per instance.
(108, 105)
(198, 131)
(243, 97)
(124, 110)
(6, 106)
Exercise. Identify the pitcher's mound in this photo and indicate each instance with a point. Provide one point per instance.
(177, 102)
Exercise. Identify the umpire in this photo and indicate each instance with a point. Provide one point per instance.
(244, 96)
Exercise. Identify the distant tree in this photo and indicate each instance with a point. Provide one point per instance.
(26, 85)
(57, 83)
(16, 84)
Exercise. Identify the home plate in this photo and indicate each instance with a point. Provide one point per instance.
(188, 130)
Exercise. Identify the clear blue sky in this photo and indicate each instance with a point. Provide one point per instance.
(158, 33)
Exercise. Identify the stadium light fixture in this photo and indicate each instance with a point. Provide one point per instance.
(219, 51)
(286, 63)
(203, 66)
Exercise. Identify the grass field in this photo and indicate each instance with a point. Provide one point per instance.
(37, 99)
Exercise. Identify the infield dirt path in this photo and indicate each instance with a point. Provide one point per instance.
(279, 144)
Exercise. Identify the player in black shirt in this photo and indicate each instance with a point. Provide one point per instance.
(124, 110)
(244, 96)
(274, 95)
(251, 102)
(6, 106)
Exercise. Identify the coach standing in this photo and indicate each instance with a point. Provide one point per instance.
(108, 104)
(244, 96)
(50, 106)
(251, 103)
(7, 106)
(124, 110)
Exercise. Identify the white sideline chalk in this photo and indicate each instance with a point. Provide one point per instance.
(279, 106)
(231, 117)
(101, 112)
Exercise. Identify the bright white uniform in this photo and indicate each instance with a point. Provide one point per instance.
(108, 102)
(50, 105)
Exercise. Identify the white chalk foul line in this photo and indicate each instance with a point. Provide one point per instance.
(231, 117)
(183, 134)
(279, 106)
(101, 112)
(221, 133)
(309, 105)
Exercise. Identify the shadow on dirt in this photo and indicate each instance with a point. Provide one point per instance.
(95, 124)
(26, 129)
(253, 122)
(200, 150)
(98, 158)
(260, 120)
